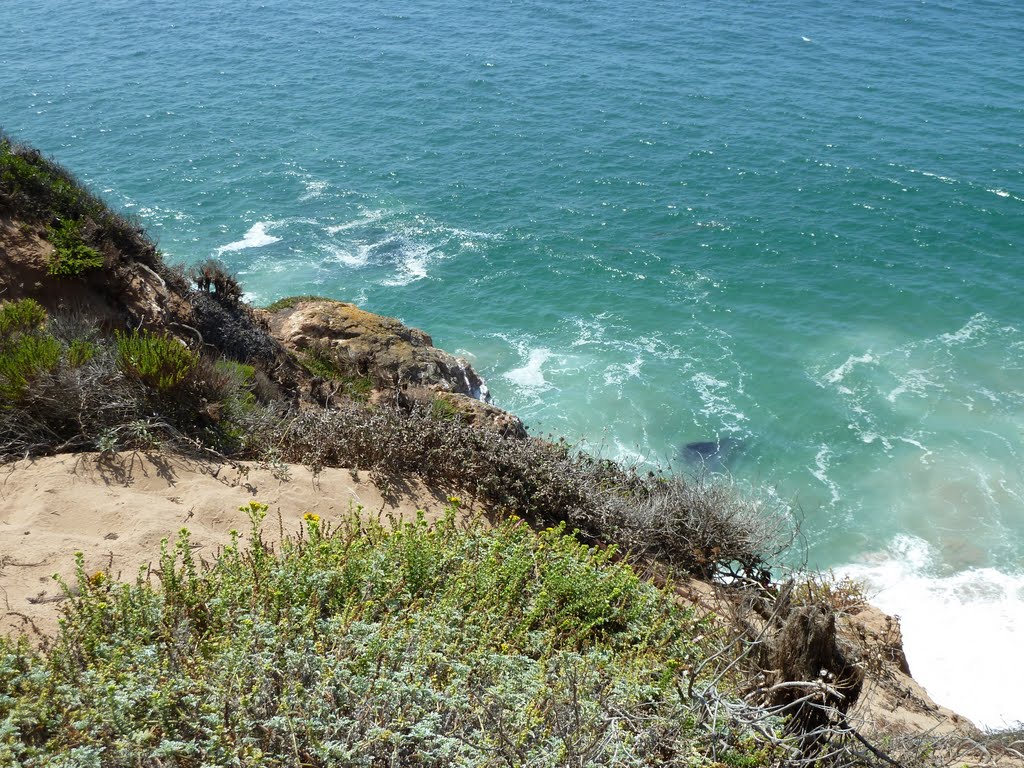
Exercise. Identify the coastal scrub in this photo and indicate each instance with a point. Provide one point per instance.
(363, 644)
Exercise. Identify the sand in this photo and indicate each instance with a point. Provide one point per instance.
(116, 509)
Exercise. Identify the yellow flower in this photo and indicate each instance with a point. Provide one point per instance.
(454, 500)
(311, 517)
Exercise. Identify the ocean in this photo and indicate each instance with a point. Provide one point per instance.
(793, 228)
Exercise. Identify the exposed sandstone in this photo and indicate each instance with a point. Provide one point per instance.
(400, 361)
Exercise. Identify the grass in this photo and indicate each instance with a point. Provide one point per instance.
(292, 301)
(362, 645)
(320, 362)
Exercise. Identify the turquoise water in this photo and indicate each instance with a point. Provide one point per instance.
(797, 226)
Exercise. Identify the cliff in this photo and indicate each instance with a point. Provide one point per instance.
(139, 397)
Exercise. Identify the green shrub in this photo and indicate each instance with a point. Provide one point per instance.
(160, 361)
(71, 256)
(36, 191)
(40, 188)
(319, 361)
(26, 350)
(23, 360)
(80, 351)
(363, 646)
(442, 408)
(20, 317)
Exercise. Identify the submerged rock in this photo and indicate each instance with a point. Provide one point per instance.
(712, 455)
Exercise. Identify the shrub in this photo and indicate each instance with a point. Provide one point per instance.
(419, 646)
(22, 360)
(160, 361)
(318, 360)
(701, 527)
(20, 317)
(80, 352)
(213, 275)
(26, 350)
(442, 408)
(234, 331)
(71, 256)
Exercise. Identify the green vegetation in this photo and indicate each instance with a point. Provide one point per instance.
(160, 361)
(38, 191)
(293, 301)
(26, 350)
(71, 256)
(416, 646)
(23, 360)
(321, 362)
(23, 316)
(442, 408)
(42, 188)
(63, 386)
(80, 352)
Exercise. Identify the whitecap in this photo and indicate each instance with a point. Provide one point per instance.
(820, 471)
(366, 218)
(256, 237)
(412, 265)
(962, 633)
(531, 374)
(314, 188)
(1004, 193)
(714, 395)
(344, 256)
(977, 323)
(836, 375)
(616, 373)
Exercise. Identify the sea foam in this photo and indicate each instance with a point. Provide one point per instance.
(962, 632)
(256, 237)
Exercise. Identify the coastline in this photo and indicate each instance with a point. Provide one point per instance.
(316, 386)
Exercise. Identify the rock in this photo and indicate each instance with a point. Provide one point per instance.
(477, 413)
(402, 362)
(391, 354)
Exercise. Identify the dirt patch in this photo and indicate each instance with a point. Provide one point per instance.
(116, 509)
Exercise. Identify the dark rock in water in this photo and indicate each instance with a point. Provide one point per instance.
(712, 455)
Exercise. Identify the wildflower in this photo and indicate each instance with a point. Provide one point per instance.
(455, 501)
(311, 517)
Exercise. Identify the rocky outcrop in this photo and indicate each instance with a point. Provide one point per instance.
(400, 362)
(382, 348)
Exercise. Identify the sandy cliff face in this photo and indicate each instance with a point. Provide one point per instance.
(128, 290)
